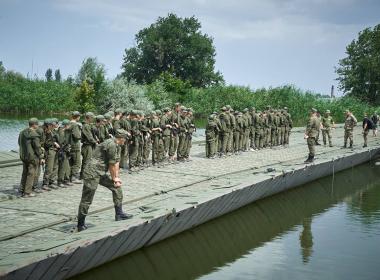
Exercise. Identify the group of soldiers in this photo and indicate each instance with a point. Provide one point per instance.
(232, 132)
(326, 124)
(63, 149)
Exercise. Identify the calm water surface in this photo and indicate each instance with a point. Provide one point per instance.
(328, 229)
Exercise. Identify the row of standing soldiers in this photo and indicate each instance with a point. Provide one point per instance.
(230, 131)
(63, 149)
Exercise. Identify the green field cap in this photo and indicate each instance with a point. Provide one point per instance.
(33, 121)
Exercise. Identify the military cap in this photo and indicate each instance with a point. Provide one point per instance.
(245, 110)
(182, 107)
(286, 108)
(33, 121)
(211, 117)
(75, 114)
(215, 113)
(107, 116)
(232, 111)
(347, 111)
(259, 112)
(185, 110)
(228, 107)
(119, 111)
(190, 109)
(240, 113)
(121, 133)
(99, 117)
(236, 112)
(158, 112)
(54, 120)
(111, 113)
(65, 122)
(90, 115)
(165, 110)
(268, 107)
(177, 104)
(224, 108)
(313, 110)
(327, 111)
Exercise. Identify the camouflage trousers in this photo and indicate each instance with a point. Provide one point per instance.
(348, 134)
(173, 145)
(124, 155)
(133, 152)
(75, 163)
(236, 141)
(29, 170)
(252, 134)
(259, 138)
(157, 149)
(311, 141)
(63, 169)
(211, 147)
(365, 136)
(223, 142)
(166, 141)
(326, 134)
(51, 162)
(90, 184)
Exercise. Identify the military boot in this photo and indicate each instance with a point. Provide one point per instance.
(81, 225)
(309, 159)
(120, 215)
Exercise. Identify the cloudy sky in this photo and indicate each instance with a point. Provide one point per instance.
(258, 43)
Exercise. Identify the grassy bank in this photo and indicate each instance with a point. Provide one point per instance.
(21, 95)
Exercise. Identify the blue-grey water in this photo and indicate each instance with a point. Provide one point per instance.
(327, 229)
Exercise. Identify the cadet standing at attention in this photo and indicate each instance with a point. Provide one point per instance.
(51, 148)
(103, 169)
(75, 154)
(31, 156)
(63, 154)
(349, 125)
(311, 132)
(327, 125)
(212, 132)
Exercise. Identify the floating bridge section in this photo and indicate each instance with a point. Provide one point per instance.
(36, 238)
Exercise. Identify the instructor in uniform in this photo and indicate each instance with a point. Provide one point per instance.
(311, 133)
(103, 169)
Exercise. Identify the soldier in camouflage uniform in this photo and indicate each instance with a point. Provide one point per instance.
(283, 124)
(75, 151)
(259, 139)
(166, 126)
(41, 136)
(31, 156)
(63, 154)
(349, 125)
(108, 125)
(103, 169)
(212, 132)
(237, 132)
(253, 128)
(311, 132)
(367, 125)
(327, 125)
(288, 126)
(135, 141)
(88, 140)
(184, 125)
(231, 125)
(247, 129)
(156, 134)
(223, 132)
(51, 147)
(190, 131)
(175, 131)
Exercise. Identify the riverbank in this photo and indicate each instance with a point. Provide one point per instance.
(164, 202)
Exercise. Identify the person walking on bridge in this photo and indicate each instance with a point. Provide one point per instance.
(311, 133)
(103, 169)
(349, 125)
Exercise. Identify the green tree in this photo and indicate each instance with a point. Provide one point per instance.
(94, 72)
(84, 96)
(127, 95)
(57, 75)
(49, 75)
(2, 69)
(174, 45)
(359, 72)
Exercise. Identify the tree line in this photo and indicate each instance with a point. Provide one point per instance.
(173, 61)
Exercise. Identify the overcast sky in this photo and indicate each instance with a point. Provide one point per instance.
(258, 43)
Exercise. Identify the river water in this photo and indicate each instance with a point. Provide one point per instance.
(327, 229)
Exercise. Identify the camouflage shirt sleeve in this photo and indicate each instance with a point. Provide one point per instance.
(113, 153)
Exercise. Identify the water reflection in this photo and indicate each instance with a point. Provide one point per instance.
(224, 240)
